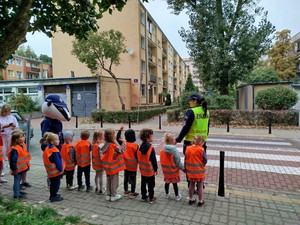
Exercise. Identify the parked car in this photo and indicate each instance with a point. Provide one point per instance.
(22, 122)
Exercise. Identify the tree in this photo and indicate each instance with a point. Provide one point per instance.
(45, 58)
(189, 85)
(276, 98)
(75, 17)
(280, 56)
(223, 39)
(26, 52)
(101, 50)
(263, 74)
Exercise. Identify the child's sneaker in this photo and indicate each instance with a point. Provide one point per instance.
(178, 197)
(80, 188)
(26, 184)
(2, 180)
(68, 187)
(144, 199)
(89, 188)
(116, 198)
(101, 192)
(152, 200)
(107, 198)
(192, 201)
(200, 203)
(72, 187)
(167, 196)
(133, 195)
(96, 190)
(125, 194)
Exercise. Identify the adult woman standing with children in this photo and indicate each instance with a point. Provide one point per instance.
(196, 121)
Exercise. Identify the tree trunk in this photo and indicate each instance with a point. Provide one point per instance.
(118, 85)
(16, 31)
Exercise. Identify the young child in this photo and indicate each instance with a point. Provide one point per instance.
(170, 165)
(147, 164)
(130, 159)
(53, 165)
(195, 161)
(83, 150)
(19, 158)
(96, 161)
(112, 159)
(44, 144)
(68, 156)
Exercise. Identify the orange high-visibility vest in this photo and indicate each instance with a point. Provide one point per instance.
(111, 165)
(23, 157)
(50, 167)
(96, 159)
(129, 159)
(145, 164)
(195, 168)
(82, 151)
(168, 165)
(66, 156)
(1, 154)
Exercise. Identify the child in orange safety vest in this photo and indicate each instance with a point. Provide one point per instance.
(112, 159)
(68, 156)
(147, 164)
(130, 159)
(170, 164)
(54, 166)
(96, 161)
(195, 161)
(19, 158)
(83, 150)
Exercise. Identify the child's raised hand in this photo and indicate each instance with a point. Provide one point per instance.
(121, 128)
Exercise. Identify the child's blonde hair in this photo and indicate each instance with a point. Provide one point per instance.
(169, 138)
(109, 135)
(51, 137)
(44, 138)
(85, 134)
(198, 140)
(16, 134)
(97, 136)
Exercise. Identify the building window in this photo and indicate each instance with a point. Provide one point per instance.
(159, 62)
(18, 62)
(158, 43)
(7, 90)
(154, 90)
(10, 61)
(19, 75)
(143, 66)
(11, 73)
(143, 45)
(33, 90)
(143, 17)
(143, 90)
(22, 90)
(28, 64)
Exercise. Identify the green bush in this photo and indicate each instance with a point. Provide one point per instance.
(276, 98)
(224, 102)
(23, 103)
(122, 116)
(175, 115)
(168, 100)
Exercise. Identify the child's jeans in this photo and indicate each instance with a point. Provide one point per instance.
(54, 186)
(86, 170)
(69, 177)
(16, 186)
(150, 181)
(129, 177)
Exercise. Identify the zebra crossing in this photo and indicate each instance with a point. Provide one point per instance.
(251, 162)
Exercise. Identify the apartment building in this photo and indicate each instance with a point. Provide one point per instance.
(194, 73)
(19, 68)
(296, 51)
(151, 63)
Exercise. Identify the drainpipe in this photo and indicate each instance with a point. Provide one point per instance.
(253, 104)
(146, 56)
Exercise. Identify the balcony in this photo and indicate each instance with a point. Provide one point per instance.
(165, 83)
(164, 51)
(152, 78)
(152, 60)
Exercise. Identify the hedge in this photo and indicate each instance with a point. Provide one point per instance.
(244, 117)
(122, 116)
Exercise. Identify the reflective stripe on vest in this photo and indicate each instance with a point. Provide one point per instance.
(111, 165)
(96, 159)
(82, 151)
(23, 157)
(1, 154)
(168, 165)
(51, 168)
(145, 165)
(200, 124)
(194, 165)
(129, 159)
(66, 157)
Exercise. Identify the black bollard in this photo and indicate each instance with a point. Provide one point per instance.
(228, 124)
(28, 135)
(76, 123)
(159, 122)
(221, 191)
(270, 125)
(129, 122)
(101, 121)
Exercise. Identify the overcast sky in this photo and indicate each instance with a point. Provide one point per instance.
(283, 14)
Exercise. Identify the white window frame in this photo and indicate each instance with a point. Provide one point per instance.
(11, 73)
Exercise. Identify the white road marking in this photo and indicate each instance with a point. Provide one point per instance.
(248, 141)
(261, 148)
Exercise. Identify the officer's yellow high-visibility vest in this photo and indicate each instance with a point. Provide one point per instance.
(200, 124)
